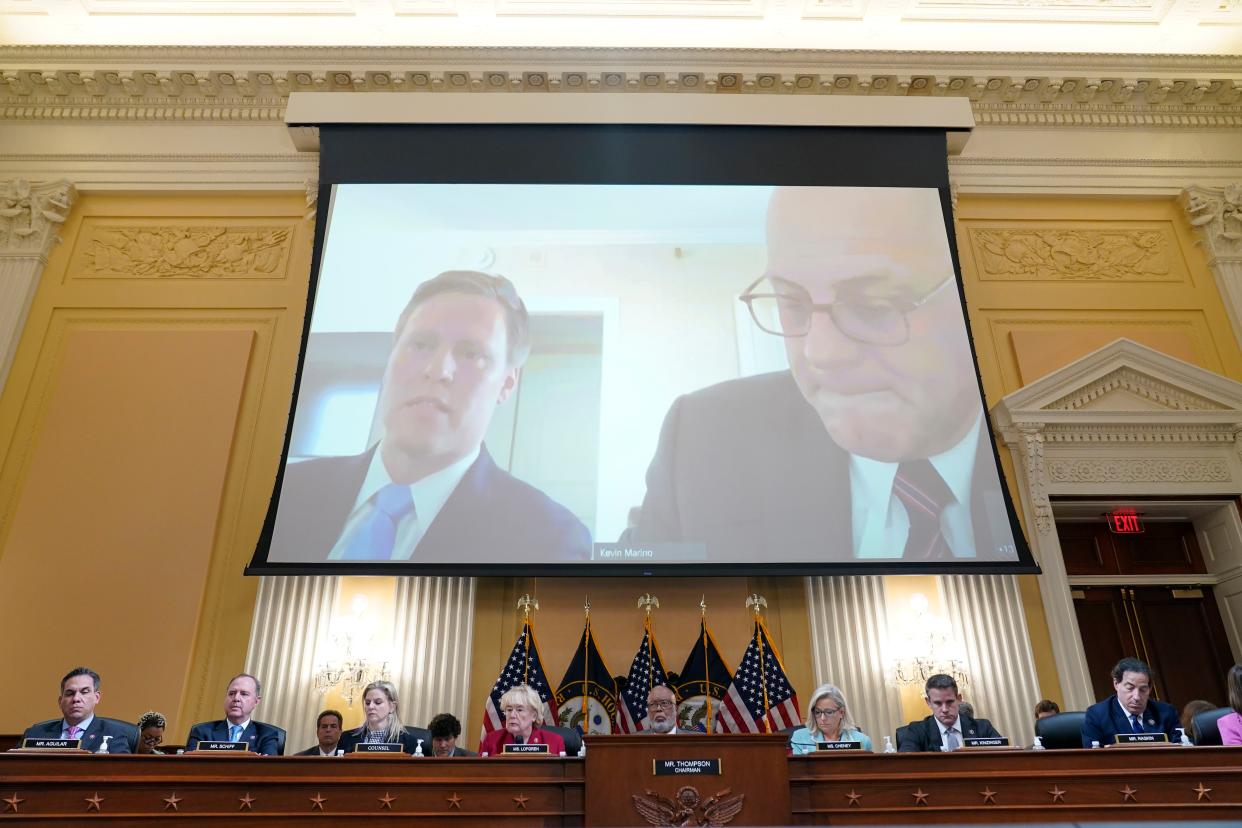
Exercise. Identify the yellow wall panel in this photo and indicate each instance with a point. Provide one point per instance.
(150, 391)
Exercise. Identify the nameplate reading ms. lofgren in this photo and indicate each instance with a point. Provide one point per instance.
(525, 749)
(686, 767)
(222, 747)
(379, 747)
(1141, 738)
(52, 744)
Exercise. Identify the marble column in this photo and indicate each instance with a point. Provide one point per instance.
(30, 220)
(1216, 215)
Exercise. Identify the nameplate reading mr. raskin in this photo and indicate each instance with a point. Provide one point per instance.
(52, 744)
(525, 749)
(1141, 738)
(838, 745)
(223, 747)
(686, 767)
(985, 741)
(379, 747)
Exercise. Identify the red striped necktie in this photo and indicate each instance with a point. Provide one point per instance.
(924, 493)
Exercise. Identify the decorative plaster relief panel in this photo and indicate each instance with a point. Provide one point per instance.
(110, 251)
(1055, 254)
(1138, 470)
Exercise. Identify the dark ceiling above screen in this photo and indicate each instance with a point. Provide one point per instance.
(553, 349)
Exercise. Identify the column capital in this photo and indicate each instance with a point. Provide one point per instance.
(1216, 213)
(31, 216)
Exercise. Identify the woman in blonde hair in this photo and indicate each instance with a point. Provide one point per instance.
(828, 719)
(383, 723)
(523, 712)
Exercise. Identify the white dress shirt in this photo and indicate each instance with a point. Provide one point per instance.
(881, 524)
(429, 495)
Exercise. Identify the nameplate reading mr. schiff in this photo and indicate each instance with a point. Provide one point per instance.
(686, 767)
(52, 744)
(985, 741)
(525, 749)
(372, 748)
(221, 747)
(1141, 738)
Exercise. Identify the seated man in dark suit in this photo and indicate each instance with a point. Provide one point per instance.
(662, 712)
(79, 693)
(444, 730)
(874, 444)
(328, 732)
(947, 726)
(1130, 710)
(240, 700)
(429, 490)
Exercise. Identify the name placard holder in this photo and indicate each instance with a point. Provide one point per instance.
(525, 750)
(53, 745)
(1141, 739)
(220, 748)
(992, 742)
(685, 767)
(379, 750)
(835, 746)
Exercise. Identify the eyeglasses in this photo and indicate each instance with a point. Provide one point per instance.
(513, 711)
(660, 704)
(823, 713)
(784, 309)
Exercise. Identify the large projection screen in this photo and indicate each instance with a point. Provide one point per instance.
(591, 349)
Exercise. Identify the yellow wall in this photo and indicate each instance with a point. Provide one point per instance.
(140, 430)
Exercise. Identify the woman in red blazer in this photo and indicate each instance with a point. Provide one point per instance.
(523, 710)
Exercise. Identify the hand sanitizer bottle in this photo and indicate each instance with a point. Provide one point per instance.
(1094, 743)
(103, 747)
(418, 749)
(1039, 744)
(582, 750)
(888, 745)
(1184, 741)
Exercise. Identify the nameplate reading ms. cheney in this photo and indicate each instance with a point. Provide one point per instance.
(686, 767)
(52, 744)
(838, 745)
(525, 749)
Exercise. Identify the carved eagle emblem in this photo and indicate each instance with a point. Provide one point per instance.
(688, 807)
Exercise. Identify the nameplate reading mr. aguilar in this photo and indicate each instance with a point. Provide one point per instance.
(379, 747)
(52, 744)
(222, 747)
(985, 741)
(1141, 738)
(528, 748)
(686, 767)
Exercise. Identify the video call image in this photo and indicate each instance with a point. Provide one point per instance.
(640, 374)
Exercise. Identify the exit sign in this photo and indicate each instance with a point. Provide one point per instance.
(1124, 522)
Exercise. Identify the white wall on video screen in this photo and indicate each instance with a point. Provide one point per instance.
(632, 292)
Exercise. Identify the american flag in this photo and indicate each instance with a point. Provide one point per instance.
(646, 671)
(760, 699)
(523, 667)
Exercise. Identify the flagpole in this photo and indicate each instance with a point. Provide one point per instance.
(707, 667)
(586, 666)
(757, 602)
(649, 602)
(526, 604)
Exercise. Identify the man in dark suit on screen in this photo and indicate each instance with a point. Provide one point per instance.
(947, 726)
(79, 693)
(1131, 709)
(874, 444)
(430, 491)
(242, 697)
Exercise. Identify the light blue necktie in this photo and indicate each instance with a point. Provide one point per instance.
(373, 540)
(235, 732)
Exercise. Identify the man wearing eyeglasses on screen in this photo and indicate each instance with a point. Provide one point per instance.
(873, 445)
(430, 491)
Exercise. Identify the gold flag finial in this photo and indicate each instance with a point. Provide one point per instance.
(648, 602)
(756, 603)
(586, 606)
(526, 604)
(703, 607)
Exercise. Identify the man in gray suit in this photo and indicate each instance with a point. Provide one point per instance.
(79, 693)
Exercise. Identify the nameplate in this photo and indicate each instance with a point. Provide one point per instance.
(525, 749)
(686, 767)
(52, 744)
(221, 747)
(1141, 738)
(372, 748)
(838, 745)
(985, 741)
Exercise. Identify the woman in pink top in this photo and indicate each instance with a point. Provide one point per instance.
(1231, 723)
